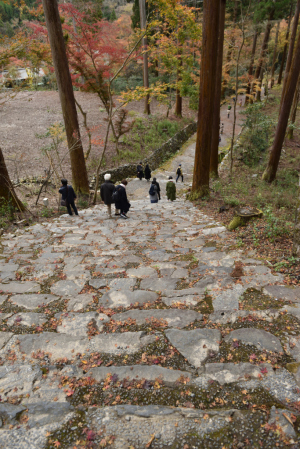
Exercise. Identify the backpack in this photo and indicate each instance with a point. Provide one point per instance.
(152, 190)
(115, 195)
(178, 171)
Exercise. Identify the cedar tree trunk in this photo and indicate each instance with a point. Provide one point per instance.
(178, 104)
(209, 56)
(6, 188)
(270, 172)
(145, 54)
(294, 110)
(250, 71)
(214, 156)
(275, 54)
(285, 45)
(291, 51)
(264, 47)
(65, 88)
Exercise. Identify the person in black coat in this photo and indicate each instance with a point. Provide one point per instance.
(106, 191)
(68, 194)
(140, 171)
(158, 187)
(122, 202)
(147, 172)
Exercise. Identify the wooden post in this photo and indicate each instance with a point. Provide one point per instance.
(66, 94)
(142, 4)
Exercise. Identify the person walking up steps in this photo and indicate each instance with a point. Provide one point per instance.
(121, 201)
(171, 189)
(106, 192)
(68, 196)
(158, 187)
(153, 192)
(228, 110)
(147, 172)
(140, 171)
(179, 173)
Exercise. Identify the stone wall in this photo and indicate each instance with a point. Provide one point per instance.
(155, 159)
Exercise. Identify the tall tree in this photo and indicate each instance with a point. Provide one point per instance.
(206, 111)
(214, 156)
(275, 53)
(291, 51)
(259, 67)
(65, 88)
(251, 65)
(145, 54)
(291, 84)
(285, 48)
(7, 192)
(294, 110)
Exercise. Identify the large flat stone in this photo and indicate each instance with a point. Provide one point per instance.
(138, 372)
(124, 298)
(122, 284)
(195, 345)
(142, 272)
(98, 283)
(77, 323)
(21, 377)
(159, 285)
(67, 288)
(125, 343)
(20, 287)
(226, 373)
(27, 319)
(32, 301)
(282, 419)
(57, 346)
(257, 337)
(228, 299)
(134, 425)
(216, 230)
(283, 292)
(4, 338)
(173, 317)
(80, 302)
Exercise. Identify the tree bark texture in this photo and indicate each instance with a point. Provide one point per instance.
(291, 51)
(270, 172)
(145, 54)
(178, 104)
(206, 111)
(296, 242)
(214, 156)
(275, 54)
(66, 94)
(294, 109)
(264, 47)
(7, 192)
(284, 53)
(251, 66)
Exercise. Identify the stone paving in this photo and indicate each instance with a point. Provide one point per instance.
(136, 334)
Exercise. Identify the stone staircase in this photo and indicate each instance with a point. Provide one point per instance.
(137, 334)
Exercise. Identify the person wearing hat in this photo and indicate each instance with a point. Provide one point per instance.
(158, 187)
(68, 196)
(171, 189)
(179, 173)
(106, 191)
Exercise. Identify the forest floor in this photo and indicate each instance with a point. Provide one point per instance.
(273, 233)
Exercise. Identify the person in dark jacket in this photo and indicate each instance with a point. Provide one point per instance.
(158, 187)
(147, 172)
(106, 191)
(179, 173)
(140, 171)
(68, 194)
(122, 202)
